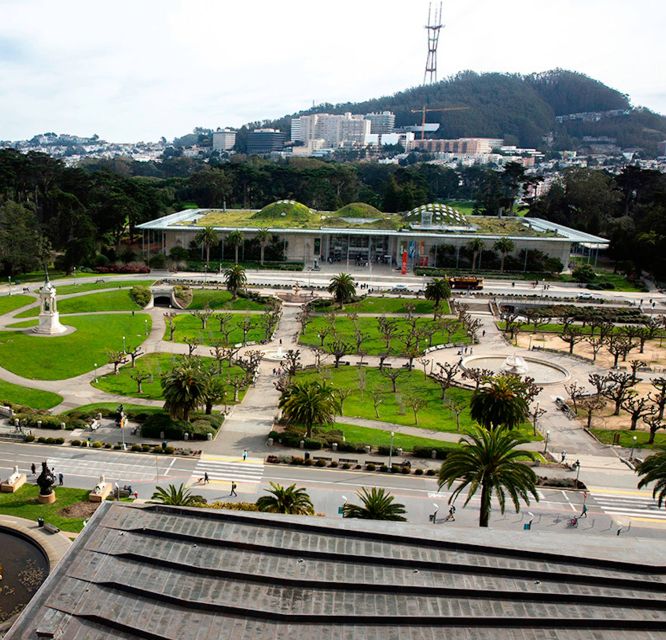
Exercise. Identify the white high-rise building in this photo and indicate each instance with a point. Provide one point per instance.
(335, 130)
(383, 122)
(224, 140)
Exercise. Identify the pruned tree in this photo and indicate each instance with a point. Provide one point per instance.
(319, 356)
(202, 315)
(446, 375)
(456, 407)
(424, 362)
(599, 382)
(478, 376)
(660, 398)
(303, 317)
(572, 335)
(596, 343)
(590, 404)
(415, 403)
(512, 324)
(635, 366)
(472, 326)
(139, 377)
(428, 331)
(322, 333)
(654, 424)
(636, 333)
(392, 375)
(237, 382)
(291, 362)
(619, 383)
(226, 325)
(169, 318)
(410, 308)
(362, 381)
(576, 392)
(246, 326)
(619, 345)
(339, 349)
(342, 393)
(116, 358)
(135, 353)
(637, 407)
(192, 345)
(221, 353)
(359, 336)
(382, 358)
(651, 325)
(536, 318)
(536, 412)
(387, 328)
(377, 399)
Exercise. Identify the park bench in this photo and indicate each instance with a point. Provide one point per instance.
(99, 281)
(350, 460)
(327, 458)
(51, 528)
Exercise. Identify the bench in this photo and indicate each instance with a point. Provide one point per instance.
(51, 528)
(350, 460)
(99, 281)
(327, 458)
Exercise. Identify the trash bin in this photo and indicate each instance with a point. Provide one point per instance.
(40, 521)
(307, 455)
(164, 444)
(209, 436)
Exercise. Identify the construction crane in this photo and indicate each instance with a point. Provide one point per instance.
(425, 110)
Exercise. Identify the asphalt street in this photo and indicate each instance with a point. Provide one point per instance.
(632, 512)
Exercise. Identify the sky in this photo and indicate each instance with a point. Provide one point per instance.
(132, 70)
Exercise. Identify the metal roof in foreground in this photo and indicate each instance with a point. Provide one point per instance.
(159, 572)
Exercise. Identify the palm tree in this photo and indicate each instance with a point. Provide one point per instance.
(502, 401)
(342, 287)
(377, 504)
(234, 278)
(653, 469)
(183, 388)
(235, 239)
(177, 497)
(309, 403)
(475, 246)
(490, 460)
(207, 237)
(504, 246)
(289, 500)
(264, 236)
(437, 290)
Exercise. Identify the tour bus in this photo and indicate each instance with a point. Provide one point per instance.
(466, 282)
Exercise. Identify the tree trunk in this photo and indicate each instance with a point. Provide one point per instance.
(634, 423)
(616, 357)
(209, 407)
(308, 431)
(653, 432)
(484, 512)
(617, 407)
(236, 253)
(261, 260)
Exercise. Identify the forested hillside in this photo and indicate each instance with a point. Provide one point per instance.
(521, 109)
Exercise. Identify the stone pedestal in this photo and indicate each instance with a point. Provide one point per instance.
(49, 324)
(13, 484)
(49, 499)
(101, 492)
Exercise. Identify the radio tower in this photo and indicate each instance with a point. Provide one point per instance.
(432, 28)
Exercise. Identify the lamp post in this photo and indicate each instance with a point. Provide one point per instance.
(145, 326)
(95, 372)
(433, 517)
(9, 282)
(391, 453)
(633, 446)
(545, 445)
(342, 508)
(124, 345)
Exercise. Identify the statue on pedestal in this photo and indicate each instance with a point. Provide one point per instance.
(46, 480)
(49, 318)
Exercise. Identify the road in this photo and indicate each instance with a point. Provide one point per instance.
(609, 509)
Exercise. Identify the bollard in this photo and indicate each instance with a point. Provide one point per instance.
(433, 455)
(269, 442)
(209, 436)
(301, 444)
(367, 449)
(334, 446)
(186, 436)
(398, 451)
(39, 424)
(63, 425)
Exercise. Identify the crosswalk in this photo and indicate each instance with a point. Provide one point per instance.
(624, 505)
(225, 469)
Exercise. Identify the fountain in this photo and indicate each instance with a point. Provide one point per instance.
(542, 371)
(275, 356)
(514, 364)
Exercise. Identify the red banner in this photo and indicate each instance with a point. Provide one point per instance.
(404, 263)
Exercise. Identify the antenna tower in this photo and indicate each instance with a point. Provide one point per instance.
(433, 27)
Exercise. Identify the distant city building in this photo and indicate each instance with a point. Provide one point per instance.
(334, 130)
(383, 122)
(469, 146)
(264, 141)
(224, 140)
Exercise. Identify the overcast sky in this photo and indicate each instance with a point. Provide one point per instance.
(139, 69)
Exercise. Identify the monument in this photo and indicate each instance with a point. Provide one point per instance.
(45, 481)
(14, 482)
(515, 365)
(49, 318)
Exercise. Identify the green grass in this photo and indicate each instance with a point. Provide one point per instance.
(60, 357)
(378, 438)
(24, 504)
(129, 408)
(378, 305)
(627, 438)
(104, 301)
(394, 407)
(9, 303)
(109, 283)
(34, 398)
(156, 364)
(188, 326)
(374, 344)
(220, 299)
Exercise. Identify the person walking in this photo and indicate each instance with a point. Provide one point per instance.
(233, 489)
(244, 455)
(206, 479)
(451, 516)
(583, 513)
(33, 468)
(564, 457)
(61, 479)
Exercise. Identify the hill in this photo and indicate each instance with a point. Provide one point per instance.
(522, 109)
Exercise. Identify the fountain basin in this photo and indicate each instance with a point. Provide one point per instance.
(542, 371)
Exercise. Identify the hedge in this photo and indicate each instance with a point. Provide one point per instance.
(141, 295)
(157, 424)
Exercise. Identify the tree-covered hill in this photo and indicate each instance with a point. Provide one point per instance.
(522, 109)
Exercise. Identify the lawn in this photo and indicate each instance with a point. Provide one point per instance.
(373, 343)
(9, 303)
(378, 438)
(24, 504)
(104, 301)
(553, 327)
(380, 305)
(59, 357)
(188, 326)
(156, 364)
(394, 408)
(111, 283)
(34, 398)
(627, 438)
(112, 406)
(221, 299)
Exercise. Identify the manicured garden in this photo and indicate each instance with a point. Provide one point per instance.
(379, 305)
(370, 385)
(24, 504)
(187, 326)
(155, 364)
(221, 299)
(33, 398)
(374, 342)
(103, 301)
(377, 438)
(607, 436)
(66, 356)
(110, 283)
(9, 303)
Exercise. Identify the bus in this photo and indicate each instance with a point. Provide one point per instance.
(466, 282)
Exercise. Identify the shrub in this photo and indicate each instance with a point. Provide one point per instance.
(29, 438)
(119, 267)
(41, 439)
(135, 447)
(141, 295)
(370, 466)
(183, 295)
(233, 506)
(49, 440)
(320, 463)
(418, 472)
(346, 465)
(157, 262)
(297, 460)
(30, 420)
(97, 444)
(583, 273)
(431, 472)
(107, 445)
(168, 450)
(405, 469)
(311, 443)
(333, 464)
(426, 452)
(308, 462)
(117, 446)
(58, 440)
(272, 459)
(157, 423)
(75, 443)
(384, 468)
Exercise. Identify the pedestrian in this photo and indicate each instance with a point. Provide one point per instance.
(244, 455)
(33, 468)
(280, 341)
(583, 513)
(564, 457)
(451, 516)
(206, 479)
(233, 489)
(483, 333)
(61, 479)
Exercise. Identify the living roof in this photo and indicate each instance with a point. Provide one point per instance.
(169, 573)
(438, 214)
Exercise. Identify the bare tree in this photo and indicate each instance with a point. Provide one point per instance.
(169, 318)
(536, 412)
(291, 362)
(237, 382)
(116, 358)
(359, 337)
(637, 407)
(456, 407)
(392, 375)
(320, 356)
(221, 353)
(572, 335)
(477, 375)
(246, 326)
(339, 349)
(322, 333)
(447, 326)
(387, 328)
(651, 326)
(536, 318)
(135, 353)
(599, 382)
(342, 393)
(382, 358)
(654, 424)
(660, 398)
(635, 366)
(362, 381)
(192, 344)
(589, 405)
(377, 399)
(410, 308)
(139, 377)
(596, 343)
(415, 403)
(619, 383)
(445, 376)
(635, 332)
(618, 345)
(202, 315)
(576, 392)
(226, 325)
(424, 362)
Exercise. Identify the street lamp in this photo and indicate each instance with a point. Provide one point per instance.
(390, 465)
(124, 345)
(9, 281)
(341, 510)
(145, 326)
(545, 445)
(433, 517)
(633, 446)
(96, 373)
